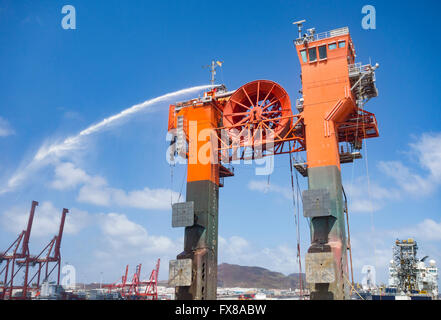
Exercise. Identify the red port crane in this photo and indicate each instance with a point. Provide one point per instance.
(132, 290)
(50, 254)
(119, 286)
(134, 285)
(151, 291)
(10, 258)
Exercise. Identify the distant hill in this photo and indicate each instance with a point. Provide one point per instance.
(232, 275)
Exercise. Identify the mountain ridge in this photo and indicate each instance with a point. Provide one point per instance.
(233, 275)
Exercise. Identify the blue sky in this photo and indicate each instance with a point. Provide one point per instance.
(55, 83)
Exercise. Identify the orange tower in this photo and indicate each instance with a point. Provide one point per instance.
(335, 90)
(196, 266)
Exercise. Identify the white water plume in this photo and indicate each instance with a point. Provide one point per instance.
(58, 149)
(71, 142)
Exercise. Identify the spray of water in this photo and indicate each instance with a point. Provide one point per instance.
(56, 150)
(72, 142)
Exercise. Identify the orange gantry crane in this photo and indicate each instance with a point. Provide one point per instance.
(256, 121)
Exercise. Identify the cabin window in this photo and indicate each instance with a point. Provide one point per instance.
(312, 54)
(322, 52)
(341, 44)
(303, 54)
(332, 46)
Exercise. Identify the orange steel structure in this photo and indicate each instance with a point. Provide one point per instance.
(255, 121)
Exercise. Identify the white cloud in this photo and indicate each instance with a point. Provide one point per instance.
(145, 199)
(102, 195)
(68, 176)
(122, 232)
(46, 220)
(233, 247)
(428, 230)
(5, 128)
(426, 150)
(368, 197)
(265, 187)
(408, 181)
(237, 250)
(363, 205)
(127, 237)
(126, 242)
(95, 190)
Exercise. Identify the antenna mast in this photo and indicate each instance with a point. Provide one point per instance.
(214, 64)
(299, 25)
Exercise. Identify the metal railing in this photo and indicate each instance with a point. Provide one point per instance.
(332, 33)
(362, 79)
(358, 68)
(324, 35)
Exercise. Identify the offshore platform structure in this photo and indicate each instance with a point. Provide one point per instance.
(405, 260)
(408, 274)
(257, 121)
